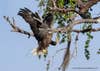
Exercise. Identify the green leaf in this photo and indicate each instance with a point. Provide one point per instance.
(60, 3)
(86, 45)
(98, 52)
(87, 54)
(62, 40)
(42, 3)
(89, 35)
(45, 55)
(64, 37)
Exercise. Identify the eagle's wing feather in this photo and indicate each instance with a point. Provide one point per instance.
(43, 37)
(34, 24)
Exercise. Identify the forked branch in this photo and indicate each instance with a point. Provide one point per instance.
(16, 28)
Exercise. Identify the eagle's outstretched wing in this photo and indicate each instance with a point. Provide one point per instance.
(29, 17)
(34, 20)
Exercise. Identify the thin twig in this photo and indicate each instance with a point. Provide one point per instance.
(54, 3)
(75, 49)
(62, 10)
(16, 28)
(86, 30)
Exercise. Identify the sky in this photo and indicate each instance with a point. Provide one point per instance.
(15, 48)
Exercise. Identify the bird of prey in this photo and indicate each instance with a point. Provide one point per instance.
(35, 22)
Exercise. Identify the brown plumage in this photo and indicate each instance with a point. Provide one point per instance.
(42, 36)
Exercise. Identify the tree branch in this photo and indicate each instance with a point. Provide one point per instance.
(86, 30)
(16, 28)
(62, 29)
(88, 5)
(76, 22)
(84, 7)
(62, 10)
(54, 3)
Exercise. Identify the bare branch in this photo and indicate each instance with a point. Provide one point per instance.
(54, 3)
(62, 10)
(67, 54)
(86, 30)
(16, 28)
(88, 5)
(76, 22)
(92, 21)
(76, 46)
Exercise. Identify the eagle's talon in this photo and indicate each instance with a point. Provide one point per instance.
(41, 52)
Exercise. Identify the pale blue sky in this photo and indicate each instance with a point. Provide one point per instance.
(15, 48)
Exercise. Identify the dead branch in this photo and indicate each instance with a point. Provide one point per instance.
(16, 28)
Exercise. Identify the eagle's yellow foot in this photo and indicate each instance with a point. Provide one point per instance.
(41, 52)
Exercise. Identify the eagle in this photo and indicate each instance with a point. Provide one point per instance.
(43, 37)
